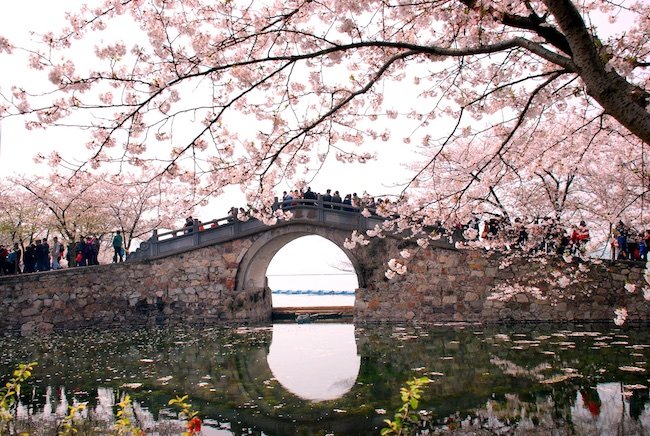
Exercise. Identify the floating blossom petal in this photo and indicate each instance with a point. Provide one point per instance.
(390, 274)
(630, 287)
(405, 254)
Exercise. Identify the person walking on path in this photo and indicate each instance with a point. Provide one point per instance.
(117, 247)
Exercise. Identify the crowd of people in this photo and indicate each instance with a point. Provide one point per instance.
(349, 203)
(538, 235)
(545, 235)
(40, 255)
(628, 243)
(333, 200)
(549, 236)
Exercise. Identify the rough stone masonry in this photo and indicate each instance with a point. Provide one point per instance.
(442, 285)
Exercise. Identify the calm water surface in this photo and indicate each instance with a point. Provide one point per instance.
(323, 378)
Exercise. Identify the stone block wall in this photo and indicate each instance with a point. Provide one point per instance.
(449, 285)
(442, 285)
(196, 287)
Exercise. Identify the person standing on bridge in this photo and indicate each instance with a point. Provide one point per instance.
(17, 254)
(82, 252)
(189, 224)
(117, 247)
(42, 255)
(336, 198)
(327, 199)
(311, 196)
(29, 259)
(55, 253)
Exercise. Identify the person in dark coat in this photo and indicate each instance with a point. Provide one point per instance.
(310, 195)
(336, 198)
(29, 259)
(44, 255)
(327, 198)
(88, 251)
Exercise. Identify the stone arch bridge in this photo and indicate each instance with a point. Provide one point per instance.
(262, 242)
(215, 273)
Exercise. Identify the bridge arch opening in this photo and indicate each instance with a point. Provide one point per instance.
(311, 271)
(310, 258)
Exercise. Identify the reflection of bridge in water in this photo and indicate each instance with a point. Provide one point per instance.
(232, 378)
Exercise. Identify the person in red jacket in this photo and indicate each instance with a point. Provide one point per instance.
(579, 238)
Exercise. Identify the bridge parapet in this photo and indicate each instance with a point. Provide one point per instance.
(316, 212)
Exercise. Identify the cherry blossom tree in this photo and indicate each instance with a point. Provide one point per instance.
(74, 206)
(20, 217)
(136, 208)
(89, 204)
(254, 93)
(567, 171)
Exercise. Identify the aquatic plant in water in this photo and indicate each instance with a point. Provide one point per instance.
(67, 426)
(9, 393)
(406, 417)
(193, 421)
(125, 424)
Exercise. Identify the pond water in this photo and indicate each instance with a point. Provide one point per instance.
(333, 378)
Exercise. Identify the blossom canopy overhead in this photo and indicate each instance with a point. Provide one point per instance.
(508, 102)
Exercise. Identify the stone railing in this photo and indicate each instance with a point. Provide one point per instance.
(202, 234)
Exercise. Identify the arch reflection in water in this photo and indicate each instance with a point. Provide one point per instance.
(316, 362)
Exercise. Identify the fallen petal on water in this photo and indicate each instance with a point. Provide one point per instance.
(558, 378)
(631, 369)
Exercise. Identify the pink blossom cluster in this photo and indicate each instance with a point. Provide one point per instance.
(621, 316)
(506, 292)
(395, 267)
